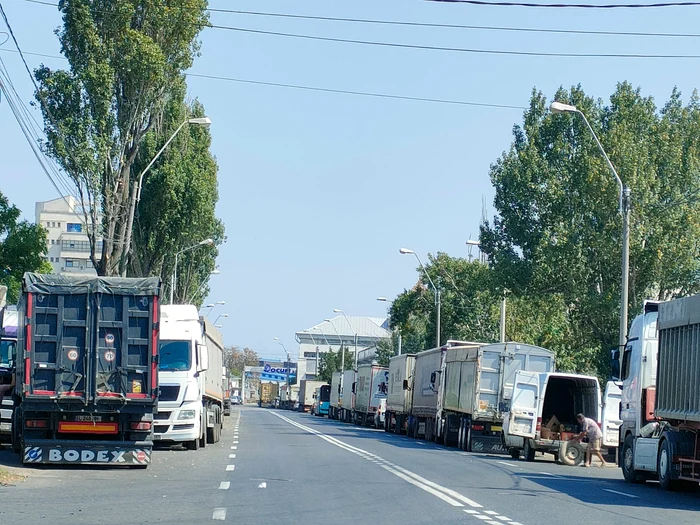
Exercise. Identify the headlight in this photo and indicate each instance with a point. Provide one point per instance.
(192, 392)
(186, 414)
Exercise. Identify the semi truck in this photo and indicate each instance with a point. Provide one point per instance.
(86, 381)
(8, 343)
(334, 401)
(192, 386)
(476, 388)
(399, 393)
(660, 405)
(269, 393)
(307, 389)
(370, 389)
(322, 400)
(342, 396)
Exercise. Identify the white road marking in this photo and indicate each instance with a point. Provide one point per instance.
(235, 442)
(493, 522)
(471, 511)
(224, 485)
(508, 464)
(504, 518)
(490, 512)
(548, 474)
(621, 493)
(229, 468)
(232, 456)
(448, 495)
(219, 514)
(482, 516)
(234, 448)
(263, 485)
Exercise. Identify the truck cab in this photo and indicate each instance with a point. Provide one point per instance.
(8, 355)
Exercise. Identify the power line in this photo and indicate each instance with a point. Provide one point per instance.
(582, 6)
(436, 25)
(452, 49)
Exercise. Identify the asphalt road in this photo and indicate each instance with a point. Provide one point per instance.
(288, 467)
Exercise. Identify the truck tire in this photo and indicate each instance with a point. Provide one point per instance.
(571, 453)
(627, 462)
(528, 451)
(665, 466)
(203, 429)
(193, 445)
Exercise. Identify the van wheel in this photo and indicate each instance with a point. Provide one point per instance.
(664, 467)
(571, 453)
(528, 451)
(627, 462)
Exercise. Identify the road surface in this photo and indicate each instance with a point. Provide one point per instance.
(279, 467)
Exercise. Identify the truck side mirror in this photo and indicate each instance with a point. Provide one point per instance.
(202, 358)
(433, 377)
(405, 384)
(615, 364)
(353, 387)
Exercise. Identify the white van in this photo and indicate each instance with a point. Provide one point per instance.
(547, 397)
(611, 421)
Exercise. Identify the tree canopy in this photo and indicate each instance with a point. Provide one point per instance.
(331, 361)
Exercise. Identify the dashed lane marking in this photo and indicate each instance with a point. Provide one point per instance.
(230, 468)
(263, 485)
(508, 464)
(232, 456)
(621, 493)
(234, 448)
(219, 514)
(224, 485)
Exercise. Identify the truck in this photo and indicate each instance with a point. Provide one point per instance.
(8, 343)
(476, 388)
(86, 381)
(425, 394)
(660, 405)
(370, 389)
(399, 395)
(322, 398)
(288, 397)
(342, 396)
(269, 393)
(334, 401)
(307, 388)
(543, 413)
(190, 372)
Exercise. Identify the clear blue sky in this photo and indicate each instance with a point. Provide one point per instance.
(319, 191)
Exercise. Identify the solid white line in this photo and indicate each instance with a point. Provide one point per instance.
(506, 463)
(231, 456)
(548, 474)
(430, 490)
(224, 485)
(229, 468)
(219, 514)
(621, 493)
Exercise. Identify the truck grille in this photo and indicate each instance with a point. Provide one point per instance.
(160, 429)
(163, 416)
(184, 426)
(169, 392)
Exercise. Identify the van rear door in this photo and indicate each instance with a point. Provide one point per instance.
(522, 419)
(611, 414)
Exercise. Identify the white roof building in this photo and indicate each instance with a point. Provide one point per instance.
(355, 333)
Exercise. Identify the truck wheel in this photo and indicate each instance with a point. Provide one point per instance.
(571, 453)
(528, 451)
(665, 466)
(203, 429)
(627, 462)
(192, 445)
(514, 453)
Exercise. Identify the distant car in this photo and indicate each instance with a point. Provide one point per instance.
(227, 407)
(235, 400)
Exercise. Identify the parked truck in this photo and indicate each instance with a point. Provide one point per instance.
(425, 394)
(370, 389)
(342, 397)
(86, 380)
(476, 386)
(192, 386)
(269, 393)
(399, 393)
(543, 414)
(307, 389)
(660, 406)
(322, 398)
(8, 343)
(334, 401)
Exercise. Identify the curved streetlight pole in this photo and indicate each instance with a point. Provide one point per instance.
(173, 277)
(289, 363)
(405, 251)
(339, 311)
(398, 329)
(220, 316)
(625, 211)
(315, 348)
(204, 281)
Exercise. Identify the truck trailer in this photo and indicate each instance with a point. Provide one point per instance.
(399, 393)
(307, 389)
(192, 383)
(660, 405)
(370, 389)
(86, 380)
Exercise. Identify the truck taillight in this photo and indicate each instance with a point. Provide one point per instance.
(36, 423)
(539, 424)
(477, 427)
(141, 425)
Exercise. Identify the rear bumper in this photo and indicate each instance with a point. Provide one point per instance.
(46, 451)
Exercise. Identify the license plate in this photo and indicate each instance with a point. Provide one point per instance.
(87, 417)
(5, 427)
(496, 429)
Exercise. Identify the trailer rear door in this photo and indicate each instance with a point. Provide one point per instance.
(522, 419)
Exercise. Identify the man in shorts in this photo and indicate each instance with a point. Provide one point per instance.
(590, 429)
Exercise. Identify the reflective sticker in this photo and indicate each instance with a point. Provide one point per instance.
(72, 354)
(110, 355)
(109, 339)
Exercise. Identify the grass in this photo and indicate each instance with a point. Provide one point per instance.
(8, 478)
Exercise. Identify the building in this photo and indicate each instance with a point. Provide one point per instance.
(67, 241)
(355, 333)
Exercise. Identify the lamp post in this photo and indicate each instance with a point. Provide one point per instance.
(220, 316)
(204, 281)
(289, 359)
(315, 348)
(211, 306)
(173, 277)
(405, 251)
(342, 355)
(398, 330)
(625, 211)
(204, 122)
(339, 311)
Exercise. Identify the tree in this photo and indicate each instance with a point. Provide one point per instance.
(177, 206)
(386, 350)
(236, 359)
(330, 362)
(557, 231)
(125, 57)
(22, 249)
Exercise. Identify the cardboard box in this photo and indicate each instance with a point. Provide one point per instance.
(545, 433)
(552, 424)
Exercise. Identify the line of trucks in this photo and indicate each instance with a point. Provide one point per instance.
(99, 370)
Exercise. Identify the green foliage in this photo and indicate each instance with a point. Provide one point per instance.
(236, 359)
(177, 206)
(22, 249)
(125, 58)
(557, 232)
(386, 350)
(331, 361)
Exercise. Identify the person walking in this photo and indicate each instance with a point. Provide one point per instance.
(590, 429)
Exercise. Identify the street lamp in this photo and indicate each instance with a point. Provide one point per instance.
(405, 251)
(220, 315)
(173, 277)
(213, 305)
(289, 359)
(624, 208)
(204, 122)
(398, 329)
(204, 281)
(339, 311)
(315, 347)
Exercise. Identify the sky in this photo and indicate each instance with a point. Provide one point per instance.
(318, 191)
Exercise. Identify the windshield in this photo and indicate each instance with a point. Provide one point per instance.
(175, 356)
(7, 350)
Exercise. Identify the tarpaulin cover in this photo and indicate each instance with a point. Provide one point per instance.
(71, 284)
